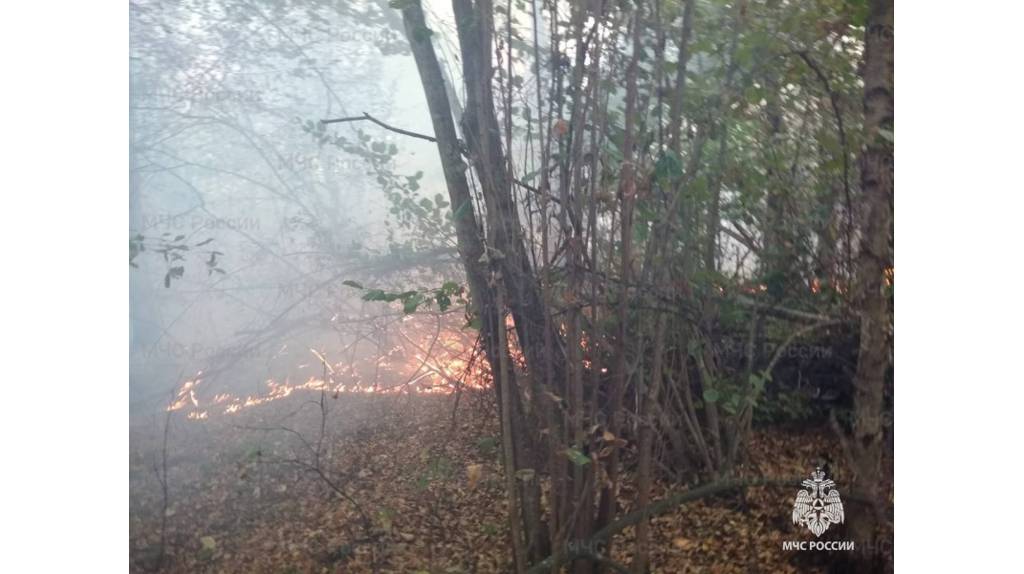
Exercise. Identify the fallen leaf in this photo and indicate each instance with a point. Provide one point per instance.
(209, 543)
(473, 474)
(683, 543)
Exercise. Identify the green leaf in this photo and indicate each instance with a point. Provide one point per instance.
(173, 273)
(712, 396)
(443, 302)
(209, 547)
(411, 303)
(732, 405)
(577, 457)
(375, 295)
(352, 283)
(668, 167)
(756, 382)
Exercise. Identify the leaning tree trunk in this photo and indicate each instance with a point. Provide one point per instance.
(474, 21)
(874, 257)
(504, 249)
(470, 244)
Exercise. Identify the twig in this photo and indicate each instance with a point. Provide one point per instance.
(368, 117)
(833, 98)
(163, 486)
(536, 190)
(783, 312)
(161, 476)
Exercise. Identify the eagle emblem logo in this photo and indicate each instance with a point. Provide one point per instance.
(818, 506)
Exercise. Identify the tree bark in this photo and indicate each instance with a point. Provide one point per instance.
(470, 243)
(508, 455)
(483, 139)
(874, 257)
(505, 249)
(647, 434)
(627, 196)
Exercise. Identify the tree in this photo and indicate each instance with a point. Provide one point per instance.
(873, 262)
(651, 214)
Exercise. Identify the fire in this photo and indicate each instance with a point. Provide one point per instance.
(420, 359)
(186, 394)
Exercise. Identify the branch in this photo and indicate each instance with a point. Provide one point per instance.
(367, 116)
(746, 241)
(833, 98)
(585, 549)
(783, 312)
(535, 190)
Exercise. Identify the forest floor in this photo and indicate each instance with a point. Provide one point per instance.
(244, 494)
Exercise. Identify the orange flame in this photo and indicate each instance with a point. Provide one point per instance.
(423, 361)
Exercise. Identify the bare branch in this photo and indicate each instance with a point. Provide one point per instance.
(783, 312)
(368, 117)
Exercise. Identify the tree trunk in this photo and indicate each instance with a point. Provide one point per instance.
(647, 435)
(874, 258)
(483, 139)
(507, 447)
(505, 249)
(627, 195)
(471, 246)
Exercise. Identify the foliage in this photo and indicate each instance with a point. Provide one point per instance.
(421, 222)
(442, 296)
(172, 251)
